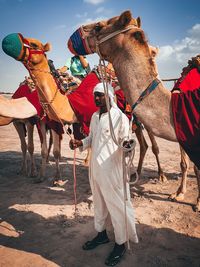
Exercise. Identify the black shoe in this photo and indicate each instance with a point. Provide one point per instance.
(100, 239)
(116, 255)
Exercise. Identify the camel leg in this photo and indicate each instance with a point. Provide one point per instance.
(179, 194)
(143, 148)
(44, 152)
(56, 153)
(30, 130)
(50, 145)
(155, 150)
(20, 128)
(197, 172)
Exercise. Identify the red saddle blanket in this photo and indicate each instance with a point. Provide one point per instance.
(32, 97)
(82, 101)
(186, 115)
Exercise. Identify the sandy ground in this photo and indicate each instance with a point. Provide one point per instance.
(38, 227)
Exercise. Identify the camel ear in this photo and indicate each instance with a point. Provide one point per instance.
(154, 51)
(125, 18)
(47, 47)
(138, 22)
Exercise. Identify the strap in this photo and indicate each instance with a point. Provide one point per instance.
(146, 92)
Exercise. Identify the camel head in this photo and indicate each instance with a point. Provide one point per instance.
(117, 39)
(85, 39)
(26, 50)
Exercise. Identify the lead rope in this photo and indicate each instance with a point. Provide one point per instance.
(45, 106)
(126, 164)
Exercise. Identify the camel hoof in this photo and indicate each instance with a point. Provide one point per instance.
(176, 197)
(196, 207)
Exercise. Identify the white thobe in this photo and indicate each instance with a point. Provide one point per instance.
(106, 175)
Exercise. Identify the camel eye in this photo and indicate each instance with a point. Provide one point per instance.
(33, 45)
(97, 28)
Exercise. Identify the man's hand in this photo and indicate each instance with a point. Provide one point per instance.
(73, 143)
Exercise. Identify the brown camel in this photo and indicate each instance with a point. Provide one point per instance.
(57, 104)
(121, 41)
(26, 126)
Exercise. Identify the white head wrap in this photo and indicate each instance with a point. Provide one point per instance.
(100, 88)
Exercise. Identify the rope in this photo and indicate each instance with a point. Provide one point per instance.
(74, 173)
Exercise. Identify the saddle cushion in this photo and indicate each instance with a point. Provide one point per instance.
(190, 82)
(186, 115)
(82, 101)
(32, 96)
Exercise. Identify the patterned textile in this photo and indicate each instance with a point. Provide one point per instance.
(186, 115)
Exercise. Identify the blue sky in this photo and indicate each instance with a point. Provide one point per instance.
(171, 25)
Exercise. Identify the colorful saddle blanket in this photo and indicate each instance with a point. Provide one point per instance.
(186, 114)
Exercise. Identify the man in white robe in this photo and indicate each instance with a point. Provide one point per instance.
(106, 176)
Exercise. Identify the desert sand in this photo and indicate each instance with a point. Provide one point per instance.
(38, 227)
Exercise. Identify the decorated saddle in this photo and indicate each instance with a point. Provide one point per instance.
(186, 110)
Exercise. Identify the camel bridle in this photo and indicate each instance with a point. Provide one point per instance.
(150, 88)
(27, 63)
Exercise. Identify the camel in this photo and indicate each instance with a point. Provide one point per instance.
(24, 126)
(121, 41)
(58, 107)
(11, 108)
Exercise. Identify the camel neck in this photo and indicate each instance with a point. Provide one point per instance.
(155, 110)
(58, 107)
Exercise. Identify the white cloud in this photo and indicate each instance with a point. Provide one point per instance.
(94, 2)
(173, 57)
(183, 49)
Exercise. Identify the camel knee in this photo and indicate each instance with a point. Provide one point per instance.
(44, 152)
(56, 154)
(30, 150)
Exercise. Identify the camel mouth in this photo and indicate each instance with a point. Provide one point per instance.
(78, 44)
(12, 45)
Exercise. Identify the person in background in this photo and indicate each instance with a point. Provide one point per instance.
(106, 176)
(78, 66)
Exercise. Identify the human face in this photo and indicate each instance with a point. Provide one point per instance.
(99, 99)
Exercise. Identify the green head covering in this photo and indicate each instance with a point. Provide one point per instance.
(12, 45)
